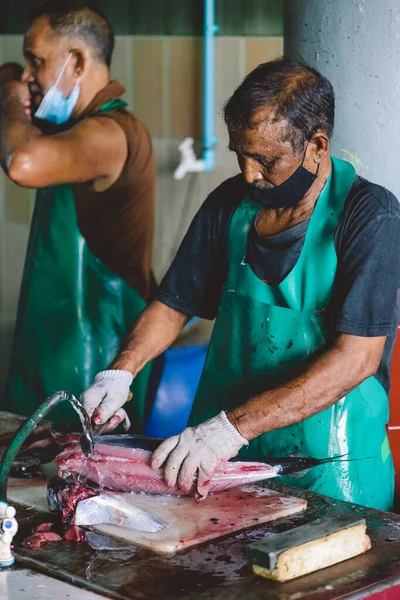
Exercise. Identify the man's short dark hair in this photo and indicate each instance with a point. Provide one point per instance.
(82, 20)
(296, 92)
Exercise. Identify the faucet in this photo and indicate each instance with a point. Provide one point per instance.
(189, 163)
(8, 528)
(86, 439)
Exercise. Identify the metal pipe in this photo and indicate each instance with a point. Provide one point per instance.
(189, 163)
(209, 138)
(29, 425)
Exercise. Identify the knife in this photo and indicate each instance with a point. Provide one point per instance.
(99, 429)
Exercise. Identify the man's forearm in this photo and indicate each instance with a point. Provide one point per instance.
(330, 377)
(155, 330)
(16, 128)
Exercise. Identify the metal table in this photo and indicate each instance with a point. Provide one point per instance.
(218, 570)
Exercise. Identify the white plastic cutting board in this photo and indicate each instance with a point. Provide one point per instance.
(188, 523)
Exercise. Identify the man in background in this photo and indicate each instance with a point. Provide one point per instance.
(65, 130)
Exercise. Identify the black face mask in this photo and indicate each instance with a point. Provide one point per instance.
(289, 193)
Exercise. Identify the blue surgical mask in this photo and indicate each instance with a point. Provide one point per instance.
(55, 107)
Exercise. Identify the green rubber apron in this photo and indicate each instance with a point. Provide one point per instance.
(266, 335)
(72, 317)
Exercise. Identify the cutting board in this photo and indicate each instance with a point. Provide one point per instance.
(188, 523)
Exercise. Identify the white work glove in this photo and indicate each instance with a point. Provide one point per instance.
(106, 396)
(198, 451)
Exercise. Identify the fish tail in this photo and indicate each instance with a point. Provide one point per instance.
(297, 465)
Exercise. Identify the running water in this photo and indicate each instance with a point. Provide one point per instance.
(88, 445)
(87, 442)
(86, 438)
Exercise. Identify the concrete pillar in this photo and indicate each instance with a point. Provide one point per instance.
(356, 45)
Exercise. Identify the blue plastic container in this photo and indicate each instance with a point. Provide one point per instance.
(176, 392)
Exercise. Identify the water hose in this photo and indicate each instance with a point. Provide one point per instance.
(29, 425)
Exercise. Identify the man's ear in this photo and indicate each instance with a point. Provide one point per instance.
(320, 145)
(80, 62)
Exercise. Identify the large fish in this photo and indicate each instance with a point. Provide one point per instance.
(122, 463)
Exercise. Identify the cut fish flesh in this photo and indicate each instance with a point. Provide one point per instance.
(127, 469)
(122, 463)
(42, 534)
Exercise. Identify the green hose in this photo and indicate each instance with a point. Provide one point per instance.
(26, 429)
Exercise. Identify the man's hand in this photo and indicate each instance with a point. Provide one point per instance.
(198, 450)
(105, 398)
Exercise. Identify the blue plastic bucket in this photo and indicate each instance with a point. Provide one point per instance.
(174, 398)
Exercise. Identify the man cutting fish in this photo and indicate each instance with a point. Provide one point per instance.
(66, 131)
(292, 257)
